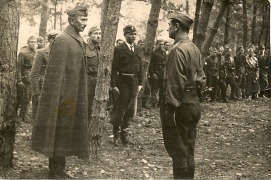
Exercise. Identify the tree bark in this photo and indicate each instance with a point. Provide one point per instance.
(43, 18)
(152, 25)
(187, 7)
(227, 25)
(109, 27)
(264, 26)
(9, 30)
(245, 25)
(267, 37)
(196, 20)
(207, 43)
(203, 23)
(55, 13)
(253, 26)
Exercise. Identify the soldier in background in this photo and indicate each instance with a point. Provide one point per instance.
(231, 74)
(252, 76)
(222, 74)
(24, 65)
(92, 55)
(40, 42)
(38, 70)
(240, 65)
(167, 46)
(157, 70)
(212, 73)
(263, 70)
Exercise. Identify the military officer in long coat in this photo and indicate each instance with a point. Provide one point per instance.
(38, 70)
(126, 80)
(61, 123)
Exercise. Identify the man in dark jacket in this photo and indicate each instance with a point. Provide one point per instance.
(38, 70)
(24, 65)
(184, 74)
(157, 70)
(126, 81)
(263, 70)
(61, 123)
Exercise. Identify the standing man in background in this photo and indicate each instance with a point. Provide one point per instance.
(24, 65)
(93, 55)
(126, 81)
(40, 42)
(184, 74)
(263, 71)
(38, 70)
(61, 124)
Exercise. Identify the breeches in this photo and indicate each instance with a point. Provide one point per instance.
(180, 131)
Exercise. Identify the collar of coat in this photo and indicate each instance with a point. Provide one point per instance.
(71, 31)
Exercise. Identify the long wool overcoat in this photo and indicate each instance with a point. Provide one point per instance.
(61, 123)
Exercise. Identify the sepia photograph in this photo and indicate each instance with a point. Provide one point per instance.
(135, 89)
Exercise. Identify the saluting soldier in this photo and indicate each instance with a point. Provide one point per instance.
(93, 55)
(24, 65)
(126, 80)
(61, 124)
(38, 70)
(157, 69)
(263, 70)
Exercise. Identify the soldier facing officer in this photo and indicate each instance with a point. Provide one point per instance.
(126, 81)
(61, 124)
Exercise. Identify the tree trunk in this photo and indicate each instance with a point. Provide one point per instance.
(187, 7)
(196, 20)
(203, 23)
(109, 27)
(9, 30)
(149, 42)
(43, 18)
(207, 43)
(227, 25)
(267, 37)
(245, 25)
(253, 26)
(55, 14)
(264, 26)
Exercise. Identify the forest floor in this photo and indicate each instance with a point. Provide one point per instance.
(234, 142)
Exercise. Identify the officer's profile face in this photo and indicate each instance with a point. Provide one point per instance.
(171, 29)
(130, 37)
(96, 36)
(79, 22)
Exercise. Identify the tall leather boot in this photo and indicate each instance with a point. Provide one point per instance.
(116, 130)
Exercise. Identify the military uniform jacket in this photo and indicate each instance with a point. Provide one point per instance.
(24, 64)
(184, 73)
(263, 65)
(38, 69)
(212, 66)
(92, 55)
(230, 66)
(158, 62)
(61, 123)
(240, 64)
(126, 61)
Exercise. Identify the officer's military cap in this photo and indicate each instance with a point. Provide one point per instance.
(52, 34)
(92, 29)
(78, 10)
(129, 29)
(183, 18)
(31, 38)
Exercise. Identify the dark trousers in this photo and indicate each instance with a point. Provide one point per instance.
(91, 93)
(223, 89)
(124, 108)
(57, 163)
(214, 84)
(179, 132)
